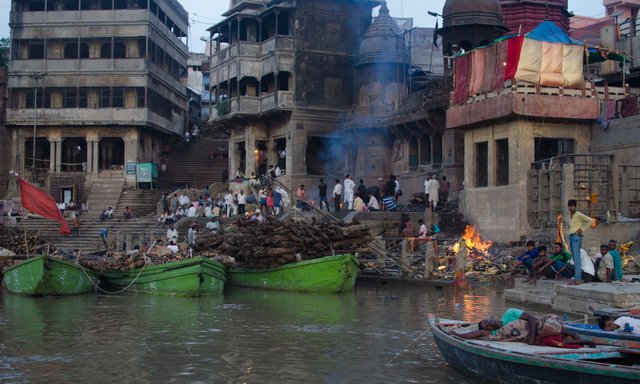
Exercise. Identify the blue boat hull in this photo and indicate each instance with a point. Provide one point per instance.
(594, 333)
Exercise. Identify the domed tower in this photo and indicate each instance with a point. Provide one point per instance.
(468, 24)
(383, 61)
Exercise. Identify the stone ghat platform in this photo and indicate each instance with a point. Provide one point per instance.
(576, 298)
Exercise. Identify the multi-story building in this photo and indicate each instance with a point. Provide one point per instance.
(95, 86)
(339, 91)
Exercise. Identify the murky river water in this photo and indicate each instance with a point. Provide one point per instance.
(243, 336)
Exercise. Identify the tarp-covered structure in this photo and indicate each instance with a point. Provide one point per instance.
(545, 56)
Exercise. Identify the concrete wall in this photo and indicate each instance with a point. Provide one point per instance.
(500, 212)
(621, 138)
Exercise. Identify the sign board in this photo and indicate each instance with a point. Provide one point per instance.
(144, 172)
(131, 168)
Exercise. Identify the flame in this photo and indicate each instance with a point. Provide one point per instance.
(456, 248)
(472, 239)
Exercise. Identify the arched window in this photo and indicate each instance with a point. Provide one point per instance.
(119, 51)
(71, 51)
(84, 51)
(105, 51)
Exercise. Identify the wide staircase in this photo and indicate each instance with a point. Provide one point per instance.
(196, 164)
(143, 202)
(104, 193)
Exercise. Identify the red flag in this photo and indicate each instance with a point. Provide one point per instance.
(40, 202)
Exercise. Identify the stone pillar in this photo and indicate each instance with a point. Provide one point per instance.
(233, 157)
(89, 156)
(250, 149)
(52, 155)
(58, 154)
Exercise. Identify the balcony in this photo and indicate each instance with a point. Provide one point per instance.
(83, 117)
(75, 66)
(250, 105)
(252, 49)
(525, 99)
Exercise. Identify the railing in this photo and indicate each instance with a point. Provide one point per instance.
(605, 93)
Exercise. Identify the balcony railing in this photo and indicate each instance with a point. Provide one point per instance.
(253, 105)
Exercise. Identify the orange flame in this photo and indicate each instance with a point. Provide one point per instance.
(472, 239)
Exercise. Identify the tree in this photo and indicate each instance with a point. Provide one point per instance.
(4, 52)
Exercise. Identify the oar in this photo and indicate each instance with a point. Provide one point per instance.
(408, 346)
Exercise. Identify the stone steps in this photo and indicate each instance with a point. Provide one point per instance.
(143, 202)
(104, 193)
(197, 165)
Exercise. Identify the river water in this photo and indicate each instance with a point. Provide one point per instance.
(243, 336)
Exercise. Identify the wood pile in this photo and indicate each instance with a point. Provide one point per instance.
(17, 240)
(129, 260)
(262, 245)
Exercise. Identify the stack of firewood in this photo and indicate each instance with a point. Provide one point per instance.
(19, 241)
(272, 243)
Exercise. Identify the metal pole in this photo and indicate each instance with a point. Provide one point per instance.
(35, 123)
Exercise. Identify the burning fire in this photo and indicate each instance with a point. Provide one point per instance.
(472, 239)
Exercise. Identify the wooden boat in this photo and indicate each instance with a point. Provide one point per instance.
(46, 275)
(616, 312)
(511, 362)
(330, 274)
(192, 277)
(594, 333)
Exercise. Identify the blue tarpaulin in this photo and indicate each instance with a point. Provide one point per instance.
(551, 33)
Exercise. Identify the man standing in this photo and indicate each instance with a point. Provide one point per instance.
(228, 204)
(242, 200)
(349, 185)
(578, 223)
(322, 193)
(165, 203)
(617, 260)
(337, 192)
(432, 189)
(76, 226)
(191, 234)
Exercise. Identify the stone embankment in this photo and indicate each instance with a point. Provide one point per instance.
(577, 298)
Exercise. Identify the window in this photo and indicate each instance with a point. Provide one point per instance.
(105, 51)
(83, 99)
(482, 157)
(502, 162)
(546, 148)
(140, 97)
(28, 103)
(70, 98)
(71, 51)
(119, 51)
(36, 49)
(104, 98)
(117, 98)
(84, 51)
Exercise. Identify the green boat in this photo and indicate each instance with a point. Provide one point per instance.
(192, 277)
(330, 274)
(45, 275)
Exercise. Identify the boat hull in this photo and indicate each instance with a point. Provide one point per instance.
(594, 333)
(192, 277)
(331, 274)
(44, 275)
(499, 366)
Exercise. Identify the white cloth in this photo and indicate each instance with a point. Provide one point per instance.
(213, 226)
(422, 233)
(432, 189)
(337, 190)
(632, 321)
(172, 234)
(373, 203)
(228, 199)
(348, 192)
(191, 212)
(587, 264)
(173, 248)
(242, 198)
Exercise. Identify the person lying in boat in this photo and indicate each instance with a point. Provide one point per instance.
(622, 324)
(487, 327)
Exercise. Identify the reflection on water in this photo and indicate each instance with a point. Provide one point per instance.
(243, 336)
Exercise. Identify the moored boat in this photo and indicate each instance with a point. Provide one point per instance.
(330, 274)
(512, 362)
(594, 333)
(192, 277)
(46, 275)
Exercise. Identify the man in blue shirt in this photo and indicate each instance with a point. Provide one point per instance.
(527, 258)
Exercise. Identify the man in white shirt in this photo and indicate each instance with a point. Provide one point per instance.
(172, 234)
(208, 211)
(228, 203)
(373, 204)
(337, 193)
(173, 247)
(242, 200)
(191, 212)
(349, 185)
(588, 270)
(621, 324)
(432, 189)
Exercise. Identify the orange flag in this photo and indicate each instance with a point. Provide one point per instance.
(40, 202)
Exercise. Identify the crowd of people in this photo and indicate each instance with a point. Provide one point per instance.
(575, 263)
